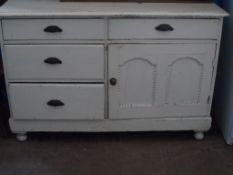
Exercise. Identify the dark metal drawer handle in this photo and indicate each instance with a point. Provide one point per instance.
(55, 103)
(53, 29)
(52, 60)
(164, 28)
(113, 81)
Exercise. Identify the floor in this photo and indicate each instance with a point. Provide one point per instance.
(151, 153)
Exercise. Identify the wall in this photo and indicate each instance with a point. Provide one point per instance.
(219, 2)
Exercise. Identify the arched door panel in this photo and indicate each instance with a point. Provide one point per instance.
(160, 80)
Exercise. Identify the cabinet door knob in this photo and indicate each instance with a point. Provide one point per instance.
(52, 60)
(113, 81)
(53, 29)
(55, 103)
(164, 28)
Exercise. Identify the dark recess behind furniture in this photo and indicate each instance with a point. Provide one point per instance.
(2, 1)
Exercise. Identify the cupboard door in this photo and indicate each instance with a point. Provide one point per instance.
(160, 80)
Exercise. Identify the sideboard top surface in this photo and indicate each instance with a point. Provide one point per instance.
(54, 8)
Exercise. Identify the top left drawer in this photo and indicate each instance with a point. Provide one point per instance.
(53, 29)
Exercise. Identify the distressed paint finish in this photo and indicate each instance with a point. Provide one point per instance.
(164, 82)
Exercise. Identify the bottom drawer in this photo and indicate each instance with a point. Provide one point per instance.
(57, 101)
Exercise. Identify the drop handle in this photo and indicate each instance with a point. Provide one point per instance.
(53, 29)
(164, 28)
(52, 60)
(55, 103)
(113, 81)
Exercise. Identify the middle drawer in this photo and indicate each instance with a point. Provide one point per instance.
(54, 62)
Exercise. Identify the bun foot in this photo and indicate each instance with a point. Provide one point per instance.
(199, 135)
(21, 137)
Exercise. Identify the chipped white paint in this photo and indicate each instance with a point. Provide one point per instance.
(164, 81)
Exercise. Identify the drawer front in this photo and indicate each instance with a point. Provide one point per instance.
(53, 29)
(57, 101)
(55, 62)
(163, 28)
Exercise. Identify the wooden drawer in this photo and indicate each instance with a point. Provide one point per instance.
(163, 28)
(57, 101)
(53, 29)
(54, 62)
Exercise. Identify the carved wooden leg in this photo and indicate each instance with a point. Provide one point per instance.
(21, 136)
(198, 135)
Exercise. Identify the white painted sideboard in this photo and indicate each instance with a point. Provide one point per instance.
(103, 67)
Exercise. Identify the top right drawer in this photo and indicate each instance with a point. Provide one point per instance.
(149, 28)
